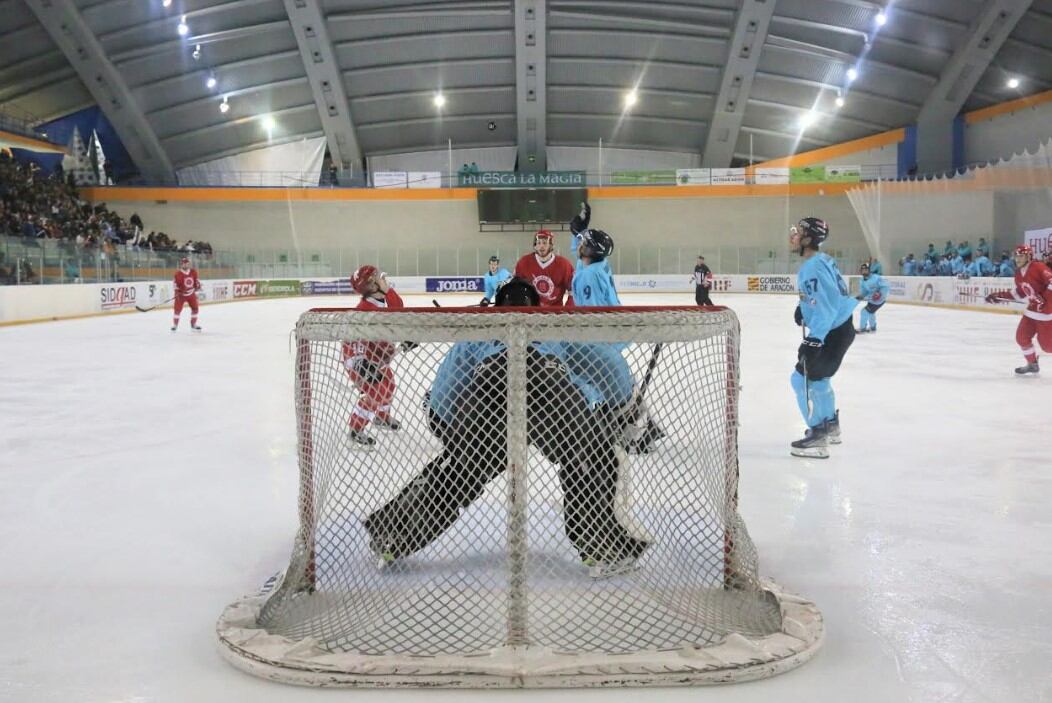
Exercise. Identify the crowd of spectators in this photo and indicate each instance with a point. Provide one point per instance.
(35, 206)
(961, 260)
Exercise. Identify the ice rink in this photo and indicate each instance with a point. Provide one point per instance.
(149, 479)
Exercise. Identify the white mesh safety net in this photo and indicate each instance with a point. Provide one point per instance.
(519, 498)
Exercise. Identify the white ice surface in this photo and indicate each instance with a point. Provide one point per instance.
(148, 479)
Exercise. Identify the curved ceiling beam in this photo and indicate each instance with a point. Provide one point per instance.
(326, 82)
(531, 83)
(996, 20)
(747, 40)
(70, 32)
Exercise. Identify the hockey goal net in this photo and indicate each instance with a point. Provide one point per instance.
(508, 497)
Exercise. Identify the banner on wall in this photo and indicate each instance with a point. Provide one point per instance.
(693, 176)
(843, 174)
(424, 179)
(807, 174)
(390, 179)
(771, 176)
(644, 177)
(1039, 239)
(454, 284)
(524, 179)
(728, 176)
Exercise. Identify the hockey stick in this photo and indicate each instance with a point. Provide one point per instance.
(157, 305)
(651, 365)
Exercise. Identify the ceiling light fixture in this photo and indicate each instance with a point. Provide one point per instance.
(183, 28)
(197, 52)
(224, 106)
(631, 98)
(852, 74)
(211, 82)
(881, 19)
(269, 124)
(167, 3)
(808, 119)
(1013, 83)
(839, 101)
(439, 100)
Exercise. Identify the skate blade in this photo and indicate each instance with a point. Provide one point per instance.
(600, 570)
(836, 440)
(810, 452)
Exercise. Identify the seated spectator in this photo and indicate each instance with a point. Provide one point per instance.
(971, 267)
(931, 255)
(943, 268)
(927, 267)
(949, 250)
(956, 264)
(875, 268)
(982, 248)
(1006, 268)
(909, 266)
(983, 263)
(964, 249)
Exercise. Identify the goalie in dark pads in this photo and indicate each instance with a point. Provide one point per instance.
(467, 412)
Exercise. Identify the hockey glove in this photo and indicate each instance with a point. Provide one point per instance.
(798, 316)
(809, 351)
(368, 371)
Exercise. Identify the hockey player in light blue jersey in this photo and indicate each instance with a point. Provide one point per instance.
(592, 279)
(492, 280)
(873, 291)
(825, 311)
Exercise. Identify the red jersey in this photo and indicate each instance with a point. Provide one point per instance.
(553, 279)
(186, 284)
(1033, 284)
(378, 352)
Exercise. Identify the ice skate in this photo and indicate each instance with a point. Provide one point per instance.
(834, 429)
(195, 328)
(174, 328)
(1028, 368)
(814, 445)
(605, 569)
(645, 442)
(387, 423)
(361, 439)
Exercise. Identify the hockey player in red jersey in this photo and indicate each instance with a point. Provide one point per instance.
(550, 274)
(1033, 286)
(368, 362)
(187, 287)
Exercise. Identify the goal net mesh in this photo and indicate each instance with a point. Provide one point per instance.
(477, 482)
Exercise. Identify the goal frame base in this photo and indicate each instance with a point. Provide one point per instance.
(736, 659)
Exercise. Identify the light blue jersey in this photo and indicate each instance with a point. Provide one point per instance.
(493, 280)
(874, 289)
(972, 268)
(1006, 269)
(956, 266)
(985, 267)
(876, 268)
(597, 370)
(824, 298)
(944, 267)
(593, 285)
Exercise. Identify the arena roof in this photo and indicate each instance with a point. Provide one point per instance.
(708, 76)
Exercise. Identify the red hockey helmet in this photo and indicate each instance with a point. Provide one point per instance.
(543, 234)
(185, 260)
(362, 280)
(1024, 250)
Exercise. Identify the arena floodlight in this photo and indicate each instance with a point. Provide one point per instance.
(224, 106)
(631, 98)
(852, 74)
(211, 82)
(439, 100)
(1013, 83)
(881, 19)
(183, 28)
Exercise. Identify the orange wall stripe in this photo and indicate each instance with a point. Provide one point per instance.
(988, 113)
(119, 194)
(102, 194)
(875, 141)
(13, 140)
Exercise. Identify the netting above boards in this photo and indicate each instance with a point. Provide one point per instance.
(495, 498)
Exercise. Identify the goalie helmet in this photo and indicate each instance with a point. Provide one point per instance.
(817, 230)
(517, 292)
(362, 280)
(595, 244)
